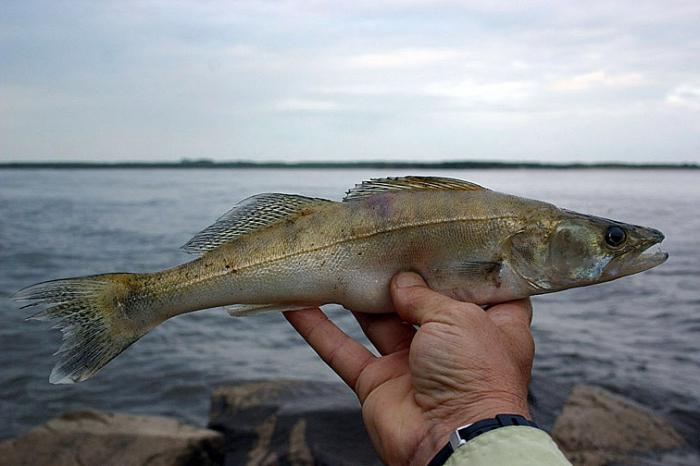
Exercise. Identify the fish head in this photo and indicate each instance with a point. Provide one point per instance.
(565, 249)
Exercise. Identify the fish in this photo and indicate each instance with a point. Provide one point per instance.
(284, 252)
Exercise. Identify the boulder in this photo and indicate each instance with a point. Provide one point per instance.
(86, 438)
(547, 399)
(597, 427)
(688, 424)
(286, 422)
(291, 423)
(305, 423)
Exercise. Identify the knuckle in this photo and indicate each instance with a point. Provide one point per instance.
(450, 312)
(362, 383)
(415, 298)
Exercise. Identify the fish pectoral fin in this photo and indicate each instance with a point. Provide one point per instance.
(242, 310)
(482, 269)
(250, 215)
(408, 183)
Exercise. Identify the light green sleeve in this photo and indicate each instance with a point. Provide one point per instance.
(512, 445)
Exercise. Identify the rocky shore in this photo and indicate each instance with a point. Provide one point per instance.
(303, 423)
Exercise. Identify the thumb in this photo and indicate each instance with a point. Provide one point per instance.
(414, 301)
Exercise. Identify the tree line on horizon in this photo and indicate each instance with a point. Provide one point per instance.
(453, 164)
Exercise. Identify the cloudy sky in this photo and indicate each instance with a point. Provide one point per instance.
(362, 79)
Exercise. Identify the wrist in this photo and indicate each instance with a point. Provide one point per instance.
(465, 434)
(440, 429)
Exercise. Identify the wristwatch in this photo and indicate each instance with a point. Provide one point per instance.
(465, 433)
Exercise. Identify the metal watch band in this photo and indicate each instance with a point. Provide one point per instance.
(462, 435)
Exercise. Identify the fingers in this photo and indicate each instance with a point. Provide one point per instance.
(513, 319)
(344, 355)
(418, 304)
(519, 312)
(387, 332)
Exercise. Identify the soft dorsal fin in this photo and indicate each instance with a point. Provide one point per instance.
(249, 215)
(408, 183)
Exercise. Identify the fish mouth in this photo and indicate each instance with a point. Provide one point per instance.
(647, 255)
(646, 260)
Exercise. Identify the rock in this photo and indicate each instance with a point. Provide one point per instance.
(688, 424)
(291, 423)
(547, 399)
(303, 423)
(86, 438)
(597, 427)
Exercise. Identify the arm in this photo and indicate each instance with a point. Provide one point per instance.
(461, 365)
(517, 446)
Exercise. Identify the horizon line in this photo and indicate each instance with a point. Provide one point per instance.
(359, 164)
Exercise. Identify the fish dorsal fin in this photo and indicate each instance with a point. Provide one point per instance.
(408, 183)
(249, 215)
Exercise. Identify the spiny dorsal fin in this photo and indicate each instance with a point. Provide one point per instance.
(249, 215)
(408, 183)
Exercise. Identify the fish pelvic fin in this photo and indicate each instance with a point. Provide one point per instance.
(94, 315)
(252, 214)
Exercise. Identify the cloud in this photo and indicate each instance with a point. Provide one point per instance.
(306, 105)
(685, 96)
(449, 78)
(506, 92)
(597, 79)
(403, 58)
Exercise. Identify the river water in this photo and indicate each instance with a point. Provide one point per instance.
(638, 336)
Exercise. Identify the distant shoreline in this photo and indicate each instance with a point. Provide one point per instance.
(457, 164)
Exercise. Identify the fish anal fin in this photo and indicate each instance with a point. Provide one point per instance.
(250, 215)
(242, 310)
(408, 183)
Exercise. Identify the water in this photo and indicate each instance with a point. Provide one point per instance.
(639, 336)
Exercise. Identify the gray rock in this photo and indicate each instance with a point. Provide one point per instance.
(86, 438)
(597, 427)
(291, 423)
(688, 424)
(547, 399)
(302, 422)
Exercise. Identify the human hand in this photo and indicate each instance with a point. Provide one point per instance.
(462, 365)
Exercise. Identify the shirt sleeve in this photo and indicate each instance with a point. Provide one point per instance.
(511, 445)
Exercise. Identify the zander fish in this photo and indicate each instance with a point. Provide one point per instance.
(285, 252)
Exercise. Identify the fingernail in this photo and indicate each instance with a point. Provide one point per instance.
(408, 279)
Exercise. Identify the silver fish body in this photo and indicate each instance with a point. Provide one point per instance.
(285, 252)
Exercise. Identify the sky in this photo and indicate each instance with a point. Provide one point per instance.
(350, 80)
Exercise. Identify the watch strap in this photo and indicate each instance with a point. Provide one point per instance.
(462, 435)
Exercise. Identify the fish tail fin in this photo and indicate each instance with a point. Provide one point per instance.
(97, 315)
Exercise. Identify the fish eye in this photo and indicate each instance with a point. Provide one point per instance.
(615, 236)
